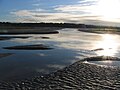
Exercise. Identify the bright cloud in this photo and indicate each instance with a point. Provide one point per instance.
(85, 11)
(33, 16)
(108, 9)
(36, 4)
(22, 13)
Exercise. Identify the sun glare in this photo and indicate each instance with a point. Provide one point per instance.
(108, 9)
(109, 45)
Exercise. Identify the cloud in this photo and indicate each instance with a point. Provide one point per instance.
(27, 12)
(83, 7)
(22, 13)
(61, 13)
(87, 2)
(36, 4)
(71, 8)
(83, 12)
(39, 10)
(41, 15)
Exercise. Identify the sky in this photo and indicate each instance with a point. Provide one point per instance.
(98, 12)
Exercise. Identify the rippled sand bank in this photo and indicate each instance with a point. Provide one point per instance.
(79, 75)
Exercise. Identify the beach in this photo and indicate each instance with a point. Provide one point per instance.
(100, 31)
(37, 30)
(60, 45)
(61, 61)
(80, 75)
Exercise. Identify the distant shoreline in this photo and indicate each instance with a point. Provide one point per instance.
(51, 28)
(100, 31)
(40, 30)
(10, 25)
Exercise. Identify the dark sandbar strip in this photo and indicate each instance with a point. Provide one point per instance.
(10, 37)
(34, 32)
(101, 58)
(42, 37)
(5, 54)
(90, 30)
(29, 47)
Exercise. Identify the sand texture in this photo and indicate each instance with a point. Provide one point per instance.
(78, 76)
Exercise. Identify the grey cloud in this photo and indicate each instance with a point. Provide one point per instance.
(71, 18)
(43, 16)
(36, 4)
(83, 12)
(87, 2)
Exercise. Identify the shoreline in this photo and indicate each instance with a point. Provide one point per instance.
(41, 30)
(12, 37)
(89, 30)
(2, 55)
(29, 32)
(79, 75)
(29, 47)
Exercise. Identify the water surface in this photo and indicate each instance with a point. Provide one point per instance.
(69, 46)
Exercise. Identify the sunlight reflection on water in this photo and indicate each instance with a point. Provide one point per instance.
(109, 44)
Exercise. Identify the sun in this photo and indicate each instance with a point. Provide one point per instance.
(108, 9)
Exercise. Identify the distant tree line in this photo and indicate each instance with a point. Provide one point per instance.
(62, 25)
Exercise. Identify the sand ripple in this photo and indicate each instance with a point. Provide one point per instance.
(77, 76)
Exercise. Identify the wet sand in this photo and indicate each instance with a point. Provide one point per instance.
(11, 37)
(38, 32)
(78, 76)
(98, 49)
(29, 47)
(89, 30)
(101, 58)
(41, 30)
(41, 37)
(5, 54)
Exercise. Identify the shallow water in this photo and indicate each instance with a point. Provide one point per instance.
(68, 46)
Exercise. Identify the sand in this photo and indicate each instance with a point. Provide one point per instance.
(29, 47)
(96, 30)
(41, 37)
(78, 76)
(41, 30)
(32, 32)
(5, 54)
(11, 37)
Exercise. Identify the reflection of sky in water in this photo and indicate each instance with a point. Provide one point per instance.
(69, 46)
